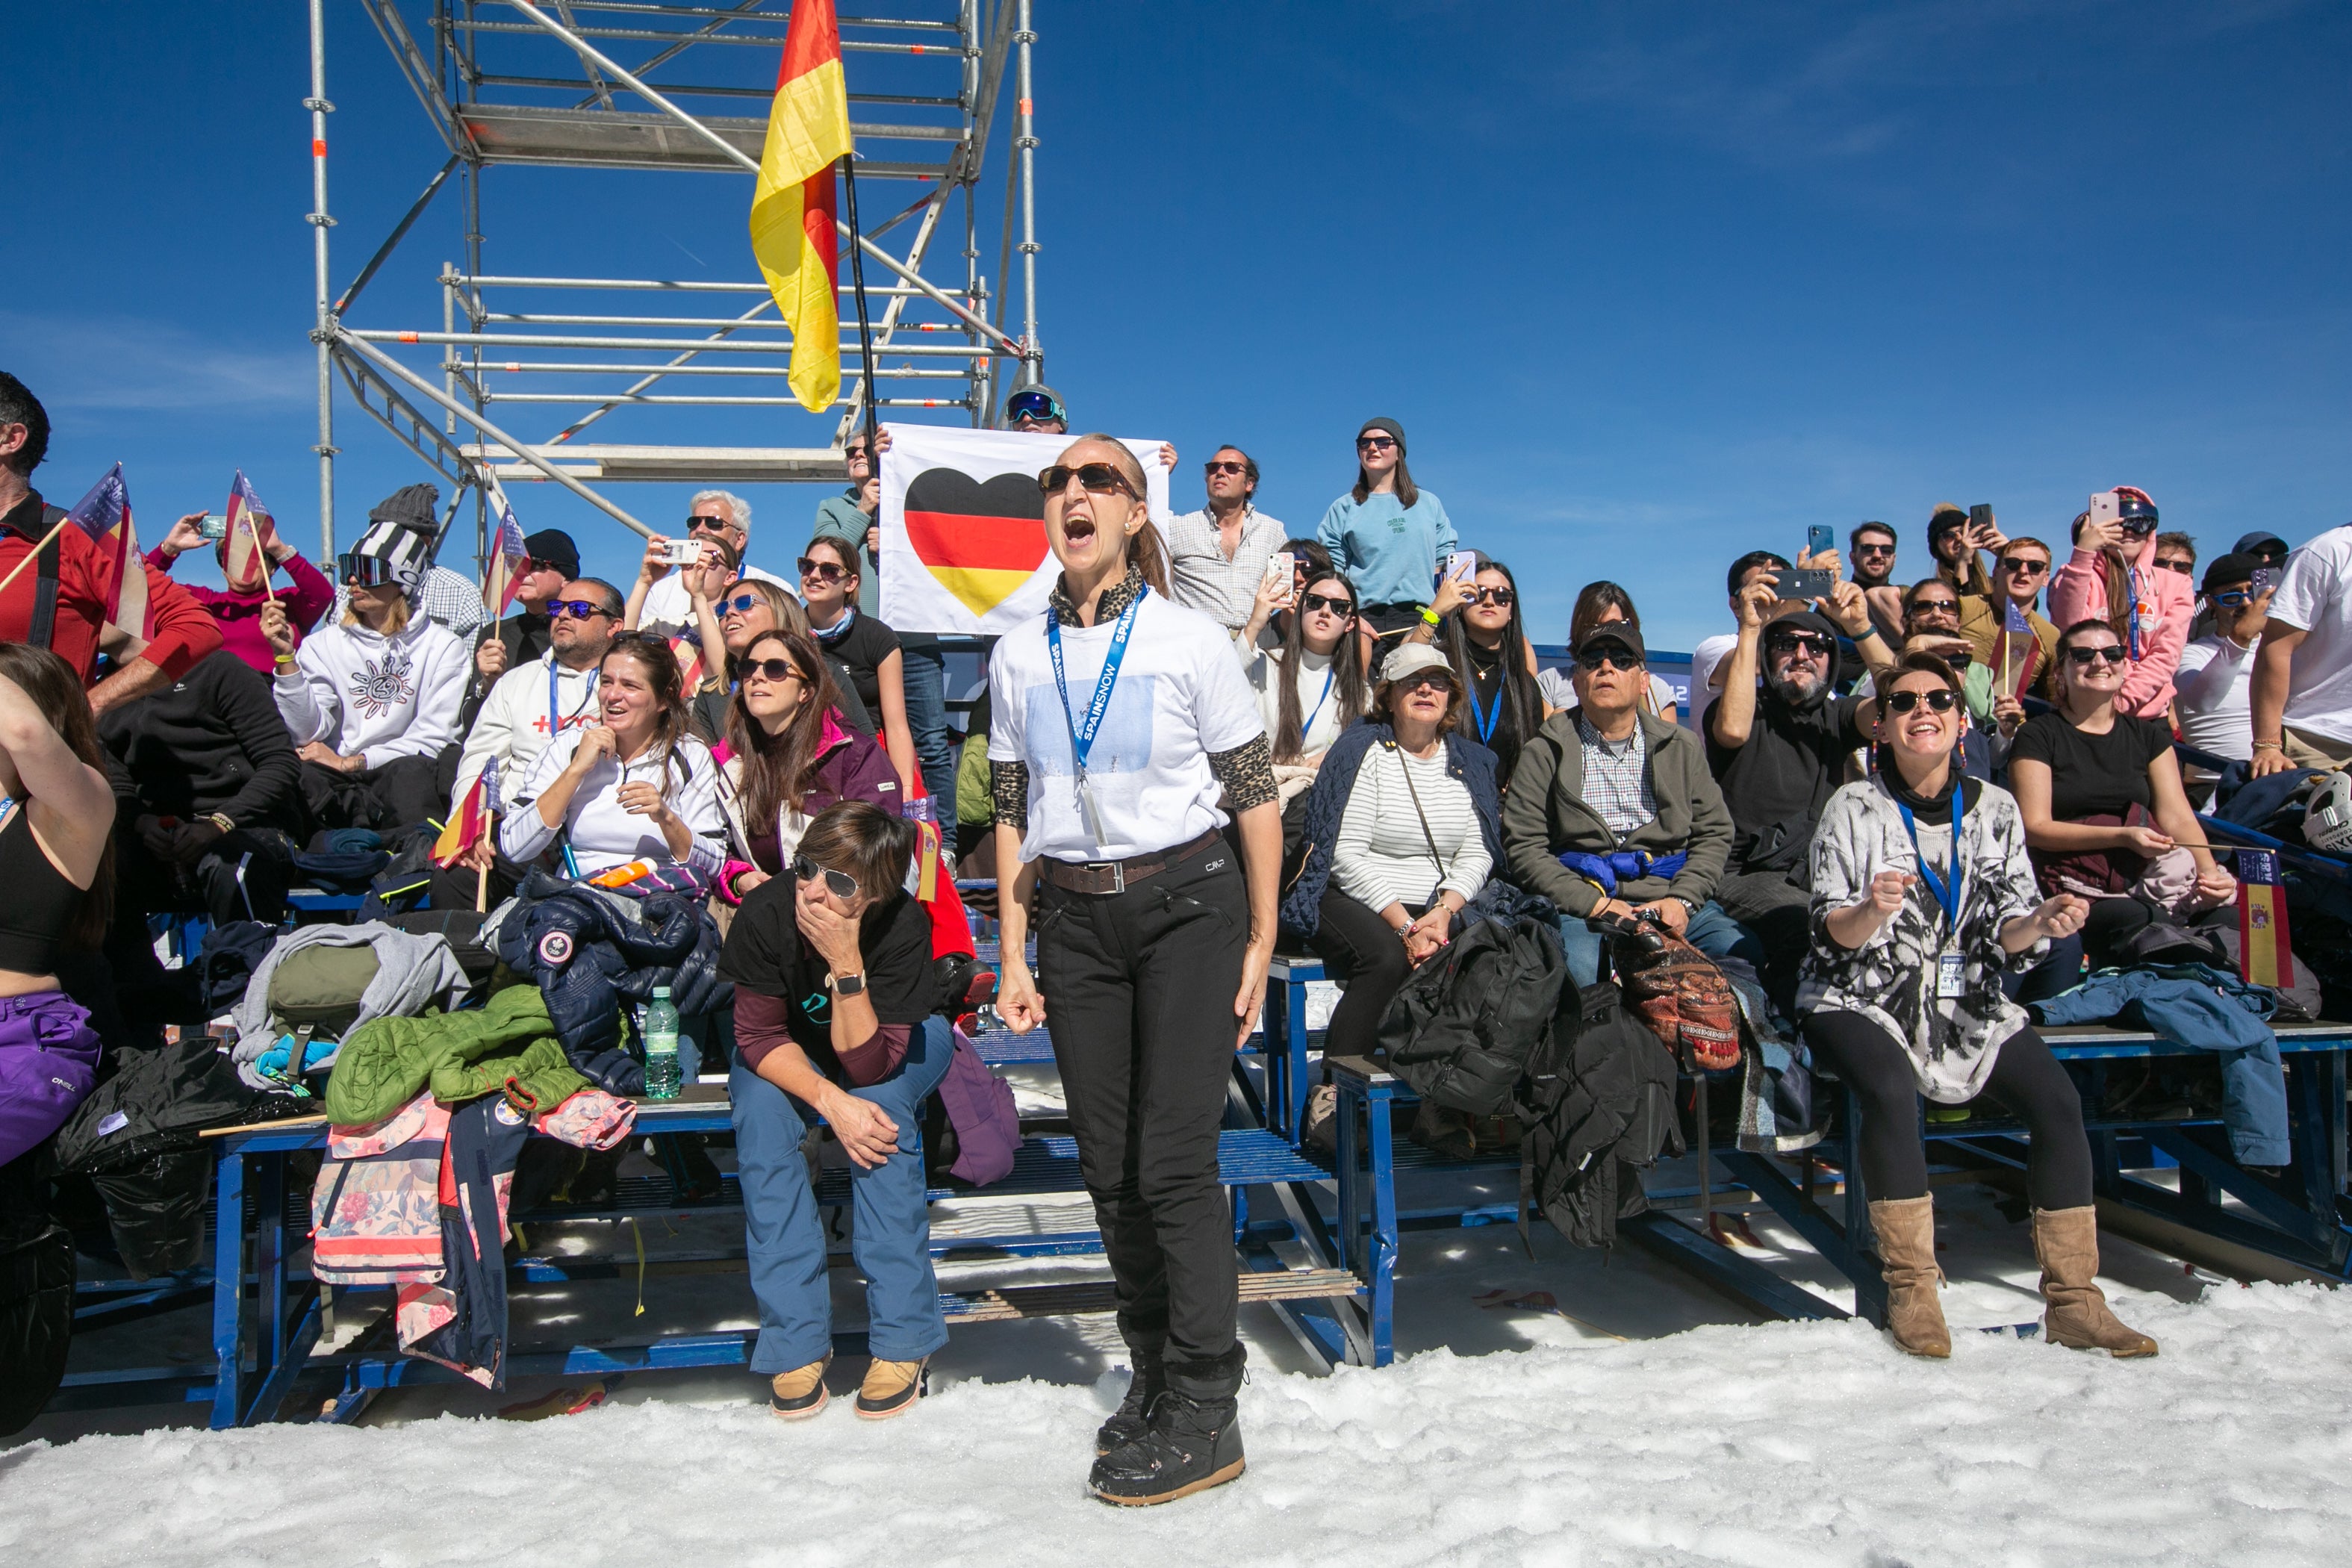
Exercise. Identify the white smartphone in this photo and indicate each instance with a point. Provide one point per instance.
(2106, 508)
(684, 552)
(1462, 567)
(1283, 566)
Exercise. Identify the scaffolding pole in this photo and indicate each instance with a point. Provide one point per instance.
(322, 330)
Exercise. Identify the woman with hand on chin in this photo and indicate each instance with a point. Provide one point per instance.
(1923, 897)
(1120, 720)
(633, 787)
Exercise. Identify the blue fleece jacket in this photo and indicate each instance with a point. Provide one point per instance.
(1389, 552)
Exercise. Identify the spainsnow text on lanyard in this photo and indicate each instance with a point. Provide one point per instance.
(1083, 731)
(1949, 972)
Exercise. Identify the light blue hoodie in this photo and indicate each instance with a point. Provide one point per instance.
(1389, 550)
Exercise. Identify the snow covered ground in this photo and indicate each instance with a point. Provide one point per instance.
(1774, 1445)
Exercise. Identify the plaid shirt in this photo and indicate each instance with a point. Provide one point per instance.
(454, 600)
(1201, 578)
(1617, 777)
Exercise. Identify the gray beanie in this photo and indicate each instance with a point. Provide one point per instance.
(1384, 423)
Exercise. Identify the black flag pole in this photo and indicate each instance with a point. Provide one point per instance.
(865, 328)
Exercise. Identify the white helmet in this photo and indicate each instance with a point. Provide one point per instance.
(2327, 826)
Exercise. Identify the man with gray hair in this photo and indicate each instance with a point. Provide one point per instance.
(711, 516)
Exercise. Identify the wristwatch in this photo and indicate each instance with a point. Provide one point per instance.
(846, 984)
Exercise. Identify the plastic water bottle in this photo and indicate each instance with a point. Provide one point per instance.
(661, 1046)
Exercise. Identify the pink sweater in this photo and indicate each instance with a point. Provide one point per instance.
(2079, 592)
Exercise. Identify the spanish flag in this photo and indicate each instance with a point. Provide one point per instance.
(2264, 955)
(793, 232)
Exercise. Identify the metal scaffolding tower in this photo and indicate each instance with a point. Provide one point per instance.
(625, 84)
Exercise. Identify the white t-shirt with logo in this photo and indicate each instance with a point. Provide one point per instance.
(2315, 598)
(1180, 698)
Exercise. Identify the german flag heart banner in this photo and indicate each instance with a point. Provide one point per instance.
(963, 526)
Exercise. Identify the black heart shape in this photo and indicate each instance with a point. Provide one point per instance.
(954, 493)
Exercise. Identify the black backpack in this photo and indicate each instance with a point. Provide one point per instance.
(1598, 1104)
(1462, 1027)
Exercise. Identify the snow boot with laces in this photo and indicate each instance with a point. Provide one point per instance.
(1193, 1442)
(797, 1394)
(1132, 1419)
(2066, 1244)
(1907, 1248)
(891, 1388)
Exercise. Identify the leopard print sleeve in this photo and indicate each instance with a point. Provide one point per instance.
(1008, 784)
(1246, 772)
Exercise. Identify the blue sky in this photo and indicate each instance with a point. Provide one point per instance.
(1647, 285)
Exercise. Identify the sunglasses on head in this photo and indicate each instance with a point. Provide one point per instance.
(2083, 657)
(1499, 597)
(1098, 478)
(841, 884)
(1600, 658)
(2024, 567)
(711, 524)
(578, 609)
(1038, 405)
(823, 571)
(1938, 701)
(1218, 466)
(1374, 443)
(1799, 642)
(771, 670)
(1337, 604)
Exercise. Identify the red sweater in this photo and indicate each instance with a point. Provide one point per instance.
(240, 614)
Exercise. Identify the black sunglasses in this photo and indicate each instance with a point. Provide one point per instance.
(1501, 598)
(1374, 443)
(1224, 467)
(1337, 604)
(842, 883)
(1797, 642)
(534, 564)
(1922, 606)
(2084, 657)
(1600, 658)
(1442, 678)
(823, 571)
(1938, 701)
(2137, 526)
(1099, 477)
(771, 670)
(715, 524)
(578, 609)
(365, 571)
(1874, 550)
(2019, 567)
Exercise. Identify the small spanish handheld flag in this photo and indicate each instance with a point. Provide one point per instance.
(509, 553)
(104, 514)
(2263, 958)
(2017, 649)
(471, 820)
(792, 225)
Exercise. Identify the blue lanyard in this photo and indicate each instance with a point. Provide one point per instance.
(1304, 729)
(1487, 723)
(555, 712)
(1948, 894)
(1081, 733)
(2131, 621)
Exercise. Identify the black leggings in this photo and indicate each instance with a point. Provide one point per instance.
(2025, 1077)
(1362, 949)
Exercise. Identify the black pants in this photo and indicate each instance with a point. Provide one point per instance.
(1360, 947)
(1138, 991)
(241, 876)
(2025, 1077)
(402, 792)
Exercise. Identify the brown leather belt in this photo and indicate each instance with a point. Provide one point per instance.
(1099, 876)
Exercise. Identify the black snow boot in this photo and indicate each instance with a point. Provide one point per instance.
(1195, 1441)
(1133, 1416)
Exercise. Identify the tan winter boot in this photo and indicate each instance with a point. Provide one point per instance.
(2066, 1244)
(1906, 1245)
(799, 1394)
(891, 1388)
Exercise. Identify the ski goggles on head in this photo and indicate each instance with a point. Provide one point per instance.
(1033, 404)
(840, 883)
(358, 571)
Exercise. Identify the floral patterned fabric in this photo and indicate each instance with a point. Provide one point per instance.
(375, 1210)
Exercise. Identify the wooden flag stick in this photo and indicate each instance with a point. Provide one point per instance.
(18, 569)
(269, 585)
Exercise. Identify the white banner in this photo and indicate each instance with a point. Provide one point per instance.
(963, 526)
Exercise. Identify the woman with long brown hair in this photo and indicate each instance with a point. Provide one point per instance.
(1390, 536)
(787, 756)
(2113, 576)
(635, 786)
(57, 860)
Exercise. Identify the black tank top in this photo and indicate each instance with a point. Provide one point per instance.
(40, 900)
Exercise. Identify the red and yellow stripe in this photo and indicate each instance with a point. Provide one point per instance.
(792, 227)
(983, 560)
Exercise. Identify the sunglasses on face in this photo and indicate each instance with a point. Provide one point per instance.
(1502, 597)
(1374, 443)
(1934, 606)
(1860, 550)
(2083, 657)
(777, 669)
(821, 571)
(1337, 604)
(1601, 659)
(1938, 701)
(2234, 598)
(2183, 567)
(1098, 478)
(578, 609)
(535, 565)
(1816, 646)
(1427, 680)
(699, 522)
(840, 883)
(1226, 467)
(740, 605)
(2024, 567)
